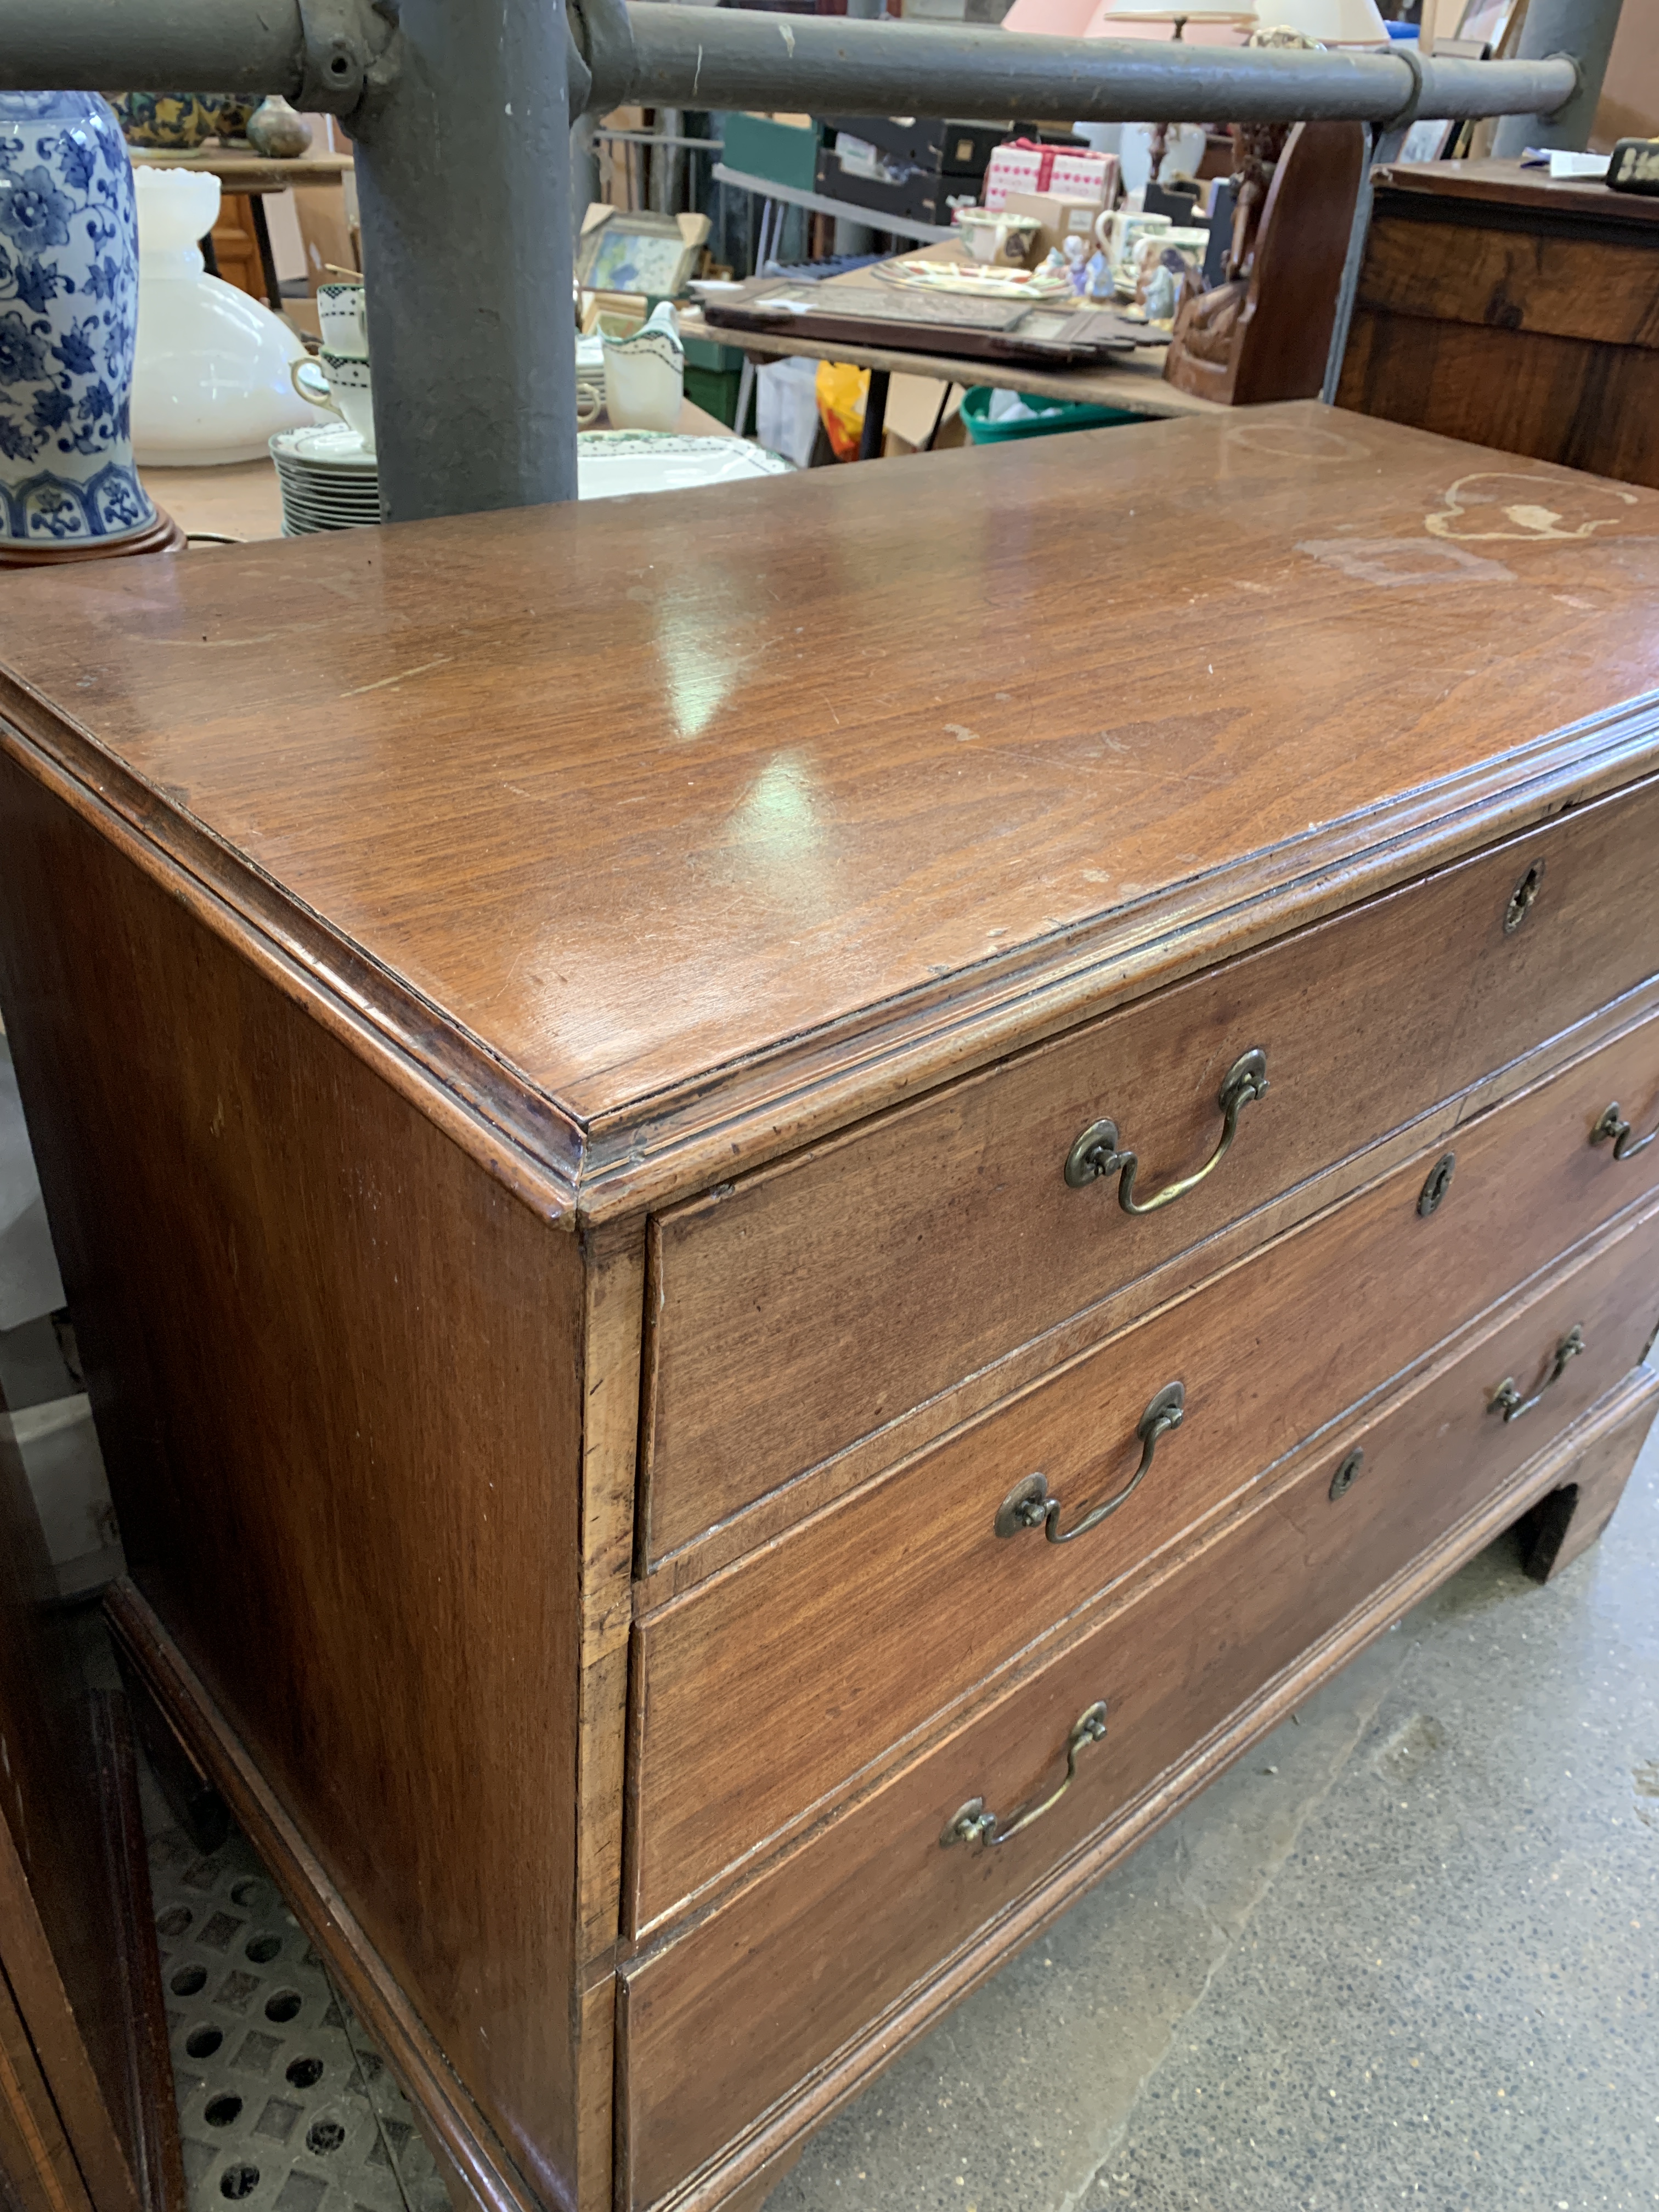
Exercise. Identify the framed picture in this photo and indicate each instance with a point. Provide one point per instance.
(631, 251)
(1495, 23)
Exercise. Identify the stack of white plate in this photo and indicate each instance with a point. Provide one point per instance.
(329, 479)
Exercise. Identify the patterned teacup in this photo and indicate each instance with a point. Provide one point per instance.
(338, 381)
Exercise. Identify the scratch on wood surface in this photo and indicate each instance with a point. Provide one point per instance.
(402, 677)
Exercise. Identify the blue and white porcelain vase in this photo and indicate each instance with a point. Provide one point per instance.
(68, 312)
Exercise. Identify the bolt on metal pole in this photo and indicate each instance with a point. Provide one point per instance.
(1584, 30)
(463, 181)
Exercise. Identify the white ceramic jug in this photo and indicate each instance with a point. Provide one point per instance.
(645, 373)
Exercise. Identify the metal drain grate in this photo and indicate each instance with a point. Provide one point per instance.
(284, 2104)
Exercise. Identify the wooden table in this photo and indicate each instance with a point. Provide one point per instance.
(1137, 387)
(611, 1206)
(241, 170)
(243, 499)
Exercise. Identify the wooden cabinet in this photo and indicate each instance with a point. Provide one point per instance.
(578, 1142)
(1516, 309)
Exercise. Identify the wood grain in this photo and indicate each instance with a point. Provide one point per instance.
(59, 1918)
(489, 825)
(1561, 286)
(1555, 399)
(472, 2150)
(810, 1303)
(780, 1509)
(1524, 312)
(387, 1451)
(1504, 183)
(756, 1997)
(846, 1634)
(151, 2098)
(863, 2056)
(38, 2172)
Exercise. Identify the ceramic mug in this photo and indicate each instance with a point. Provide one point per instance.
(992, 238)
(1124, 230)
(340, 313)
(338, 381)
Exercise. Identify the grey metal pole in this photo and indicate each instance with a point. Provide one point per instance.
(724, 57)
(1584, 29)
(183, 44)
(728, 58)
(464, 180)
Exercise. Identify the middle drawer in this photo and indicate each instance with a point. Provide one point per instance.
(844, 1634)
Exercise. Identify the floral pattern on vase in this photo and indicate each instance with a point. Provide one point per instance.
(69, 301)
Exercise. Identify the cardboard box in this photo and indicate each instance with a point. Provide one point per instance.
(1043, 166)
(1060, 218)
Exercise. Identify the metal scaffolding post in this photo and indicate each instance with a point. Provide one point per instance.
(463, 180)
(1584, 29)
(460, 112)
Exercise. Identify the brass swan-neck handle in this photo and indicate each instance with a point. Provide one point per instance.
(1028, 1505)
(1612, 1128)
(1507, 1400)
(1097, 1152)
(972, 1824)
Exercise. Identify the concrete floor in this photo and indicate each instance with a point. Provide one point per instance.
(1406, 1951)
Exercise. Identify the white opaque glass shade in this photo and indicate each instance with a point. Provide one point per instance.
(1202, 11)
(211, 382)
(1333, 22)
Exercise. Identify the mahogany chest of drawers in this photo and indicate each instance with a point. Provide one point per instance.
(782, 1203)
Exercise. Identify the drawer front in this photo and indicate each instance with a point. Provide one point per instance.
(849, 1630)
(803, 1307)
(727, 2020)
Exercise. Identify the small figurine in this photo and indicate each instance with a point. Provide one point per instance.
(1102, 284)
(1077, 270)
(1163, 284)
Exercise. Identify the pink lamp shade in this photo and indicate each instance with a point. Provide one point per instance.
(1058, 19)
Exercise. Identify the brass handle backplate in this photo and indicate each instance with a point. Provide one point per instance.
(1524, 898)
(1509, 1401)
(1612, 1128)
(1097, 1152)
(972, 1824)
(1028, 1505)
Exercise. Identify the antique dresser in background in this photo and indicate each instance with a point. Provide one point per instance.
(783, 1202)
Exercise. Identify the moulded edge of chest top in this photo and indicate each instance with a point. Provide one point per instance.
(664, 1146)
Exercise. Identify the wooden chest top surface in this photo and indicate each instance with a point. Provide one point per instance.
(628, 800)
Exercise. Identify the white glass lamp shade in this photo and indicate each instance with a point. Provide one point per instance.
(1110, 12)
(1333, 22)
(211, 382)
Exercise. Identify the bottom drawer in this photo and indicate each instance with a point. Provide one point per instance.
(726, 2019)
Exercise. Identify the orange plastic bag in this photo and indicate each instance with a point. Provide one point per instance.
(842, 393)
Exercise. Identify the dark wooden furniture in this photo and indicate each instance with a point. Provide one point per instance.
(1498, 304)
(1264, 332)
(88, 2121)
(556, 1041)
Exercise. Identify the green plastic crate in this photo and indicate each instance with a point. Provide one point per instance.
(782, 153)
(713, 390)
(1052, 414)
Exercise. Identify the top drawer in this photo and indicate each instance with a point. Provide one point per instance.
(803, 1306)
